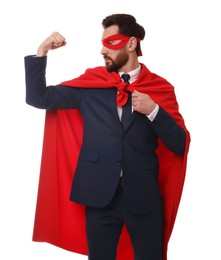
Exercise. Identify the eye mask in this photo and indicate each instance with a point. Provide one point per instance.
(107, 42)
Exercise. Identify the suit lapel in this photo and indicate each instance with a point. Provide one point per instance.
(130, 121)
(113, 108)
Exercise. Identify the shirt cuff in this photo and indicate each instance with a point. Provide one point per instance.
(153, 114)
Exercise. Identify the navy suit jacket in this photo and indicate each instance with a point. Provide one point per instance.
(107, 148)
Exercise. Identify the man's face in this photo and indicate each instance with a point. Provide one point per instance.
(114, 59)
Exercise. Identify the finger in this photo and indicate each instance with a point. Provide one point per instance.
(135, 102)
(58, 39)
(134, 94)
(58, 36)
(134, 97)
(137, 93)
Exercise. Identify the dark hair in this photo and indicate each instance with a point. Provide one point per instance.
(127, 25)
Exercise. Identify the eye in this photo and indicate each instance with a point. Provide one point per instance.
(114, 42)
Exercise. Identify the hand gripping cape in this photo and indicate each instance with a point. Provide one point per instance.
(60, 221)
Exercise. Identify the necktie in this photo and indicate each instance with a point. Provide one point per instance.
(127, 107)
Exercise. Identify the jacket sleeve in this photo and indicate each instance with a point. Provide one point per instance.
(170, 133)
(47, 97)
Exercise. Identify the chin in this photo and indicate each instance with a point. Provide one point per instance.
(109, 68)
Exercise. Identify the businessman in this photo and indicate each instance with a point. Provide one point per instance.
(116, 134)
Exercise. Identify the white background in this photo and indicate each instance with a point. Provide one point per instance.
(182, 44)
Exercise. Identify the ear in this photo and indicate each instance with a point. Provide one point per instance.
(132, 44)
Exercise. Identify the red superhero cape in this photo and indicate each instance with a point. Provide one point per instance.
(60, 221)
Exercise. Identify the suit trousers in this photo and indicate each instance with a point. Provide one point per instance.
(104, 226)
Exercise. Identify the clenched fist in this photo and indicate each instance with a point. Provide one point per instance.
(142, 103)
(54, 41)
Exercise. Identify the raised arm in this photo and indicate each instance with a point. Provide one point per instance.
(37, 93)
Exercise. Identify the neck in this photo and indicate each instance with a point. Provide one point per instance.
(132, 64)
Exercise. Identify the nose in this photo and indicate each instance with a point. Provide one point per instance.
(103, 50)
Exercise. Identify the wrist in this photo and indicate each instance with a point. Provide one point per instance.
(42, 52)
(154, 112)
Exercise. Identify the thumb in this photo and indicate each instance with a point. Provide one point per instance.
(136, 92)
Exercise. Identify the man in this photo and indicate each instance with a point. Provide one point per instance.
(127, 151)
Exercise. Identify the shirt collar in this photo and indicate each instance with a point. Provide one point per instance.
(133, 74)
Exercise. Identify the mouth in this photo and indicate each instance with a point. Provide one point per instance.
(106, 58)
(107, 61)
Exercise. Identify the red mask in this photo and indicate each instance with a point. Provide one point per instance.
(118, 37)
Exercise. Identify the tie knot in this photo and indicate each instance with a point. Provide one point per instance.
(126, 78)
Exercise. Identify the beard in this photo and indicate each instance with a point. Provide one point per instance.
(120, 60)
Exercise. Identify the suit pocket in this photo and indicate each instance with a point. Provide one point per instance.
(90, 157)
